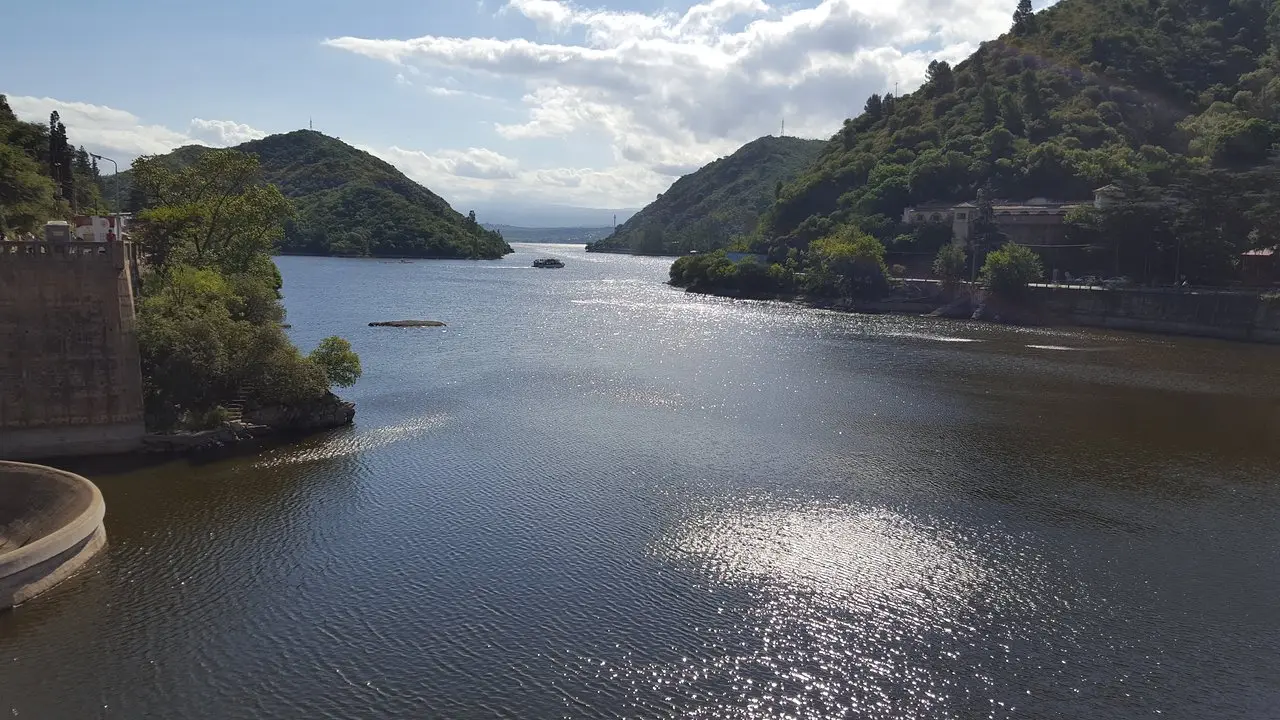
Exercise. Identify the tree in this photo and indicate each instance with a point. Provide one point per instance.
(874, 107)
(215, 212)
(1029, 88)
(850, 263)
(949, 264)
(1024, 19)
(1011, 115)
(341, 365)
(27, 196)
(939, 78)
(1009, 270)
(209, 315)
(990, 106)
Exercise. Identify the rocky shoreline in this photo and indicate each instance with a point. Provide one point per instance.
(275, 421)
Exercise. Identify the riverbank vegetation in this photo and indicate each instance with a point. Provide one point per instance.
(848, 264)
(209, 315)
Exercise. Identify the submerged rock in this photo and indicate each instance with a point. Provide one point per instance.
(407, 323)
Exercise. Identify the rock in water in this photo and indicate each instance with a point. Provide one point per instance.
(407, 323)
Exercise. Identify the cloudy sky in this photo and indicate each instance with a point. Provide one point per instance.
(595, 103)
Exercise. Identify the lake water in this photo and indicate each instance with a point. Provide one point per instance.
(593, 495)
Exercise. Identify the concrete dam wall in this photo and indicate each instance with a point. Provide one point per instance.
(70, 378)
(1225, 315)
(50, 525)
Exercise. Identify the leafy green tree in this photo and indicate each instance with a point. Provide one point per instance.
(853, 261)
(950, 264)
(215, 212)
(1010, 269)
(27, 196)
(341, 365)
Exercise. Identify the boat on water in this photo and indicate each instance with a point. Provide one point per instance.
(548, 263)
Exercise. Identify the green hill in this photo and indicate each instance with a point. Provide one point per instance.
(349, 202)
(707, 209)
(1176, 101)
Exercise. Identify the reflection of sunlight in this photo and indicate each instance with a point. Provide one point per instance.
(353, 442)
(928, 336)
(846, 612)
(867, 558)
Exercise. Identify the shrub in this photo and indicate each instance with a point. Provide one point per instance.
(340, 364)
(850, 264)
(949, 264)
(1009, 270)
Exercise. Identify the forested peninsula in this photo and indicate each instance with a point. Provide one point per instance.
(1150, 126)
(347, 202)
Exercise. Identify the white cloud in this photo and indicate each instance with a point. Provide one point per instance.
(224, 132)
(122, 134)
(479, 175)
(672, 91)
(101, 128)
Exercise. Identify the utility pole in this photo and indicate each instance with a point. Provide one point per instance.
(115, 177)
(784, 128)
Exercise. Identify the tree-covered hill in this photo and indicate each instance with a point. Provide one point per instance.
(42, 175)
(708, 208)
(1176, 101)
(349, 202)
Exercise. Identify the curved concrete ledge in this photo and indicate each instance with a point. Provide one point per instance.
(50, 524)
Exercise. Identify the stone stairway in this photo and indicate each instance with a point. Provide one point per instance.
(235, 408)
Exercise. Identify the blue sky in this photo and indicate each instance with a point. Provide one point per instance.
(598, 103)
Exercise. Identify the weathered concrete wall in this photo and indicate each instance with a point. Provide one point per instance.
(70, 378)
(50, 525)
(1231, 316)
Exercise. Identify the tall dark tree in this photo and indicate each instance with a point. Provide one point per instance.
(939, 78)
(990, 106)
(1024, 19)
(1029, 85)
(978, 66)
(874, 107)
(1011, 115)
(61, 158)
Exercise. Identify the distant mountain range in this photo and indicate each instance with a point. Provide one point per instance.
(567, 235)
(520, 213)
